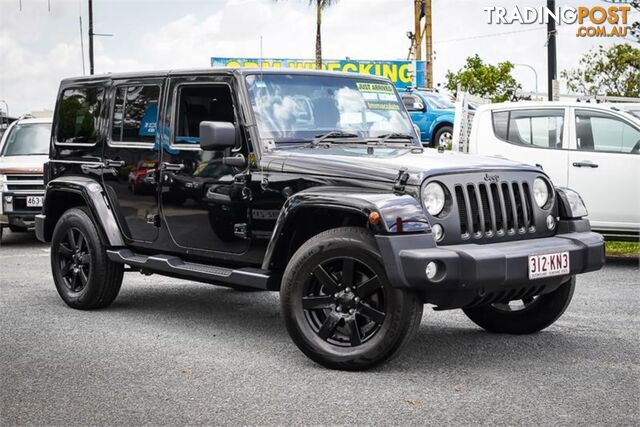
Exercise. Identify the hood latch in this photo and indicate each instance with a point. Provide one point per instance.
(401, 181)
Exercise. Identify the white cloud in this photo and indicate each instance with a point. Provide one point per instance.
(38, 48)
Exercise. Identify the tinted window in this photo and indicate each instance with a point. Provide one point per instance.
(541, 128)
(597, 131)
(78, 115)
(198, 104)
(410, 100)
(135, 114)
(28, 139)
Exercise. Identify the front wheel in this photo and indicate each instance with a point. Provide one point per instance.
(84, 277)
(443, 137)
(339, 306)
(524, 316)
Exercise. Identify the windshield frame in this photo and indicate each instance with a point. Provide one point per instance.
(259, 141)
(7, 135)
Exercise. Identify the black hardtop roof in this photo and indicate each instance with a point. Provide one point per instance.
(213, 71)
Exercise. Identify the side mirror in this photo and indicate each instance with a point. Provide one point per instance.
(416, 106)
(216, 136)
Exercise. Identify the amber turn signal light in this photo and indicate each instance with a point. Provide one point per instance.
(374, 218)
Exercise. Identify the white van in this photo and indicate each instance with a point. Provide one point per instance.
(593, 149)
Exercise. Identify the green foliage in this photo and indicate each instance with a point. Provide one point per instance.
(485, 80)
(613, 72)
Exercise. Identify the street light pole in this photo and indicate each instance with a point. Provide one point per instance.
(532, 69)
(91, 37)
(552, 72)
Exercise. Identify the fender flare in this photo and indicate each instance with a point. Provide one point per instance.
(444, 120)
(394, 209)
(96, 200)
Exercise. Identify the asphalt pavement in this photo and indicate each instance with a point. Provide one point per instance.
(174, 352)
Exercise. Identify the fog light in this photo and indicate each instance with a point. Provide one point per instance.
(431, 270)
(438, 232)
(551, 222)
(8, 199)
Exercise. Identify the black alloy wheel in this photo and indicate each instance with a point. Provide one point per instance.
(75, 260)
(338, 304)
(84, 276)
(344, 302)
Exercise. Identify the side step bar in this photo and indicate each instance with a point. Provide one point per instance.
(174, 266)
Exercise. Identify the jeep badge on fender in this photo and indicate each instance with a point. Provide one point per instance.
(310, 183)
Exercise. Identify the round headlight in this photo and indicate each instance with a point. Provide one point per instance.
(540, 192)
(433, 198)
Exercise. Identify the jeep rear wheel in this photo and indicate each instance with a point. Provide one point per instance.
(525, 316)
(338, 305)
(84, 277)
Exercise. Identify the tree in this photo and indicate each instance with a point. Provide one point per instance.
(320, 5)
(613, 72)
(485, 80)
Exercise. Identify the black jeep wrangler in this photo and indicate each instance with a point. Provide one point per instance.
(313, 184)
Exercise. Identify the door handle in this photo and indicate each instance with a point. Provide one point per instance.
(171, 167)
(584, 164)
(108, 163)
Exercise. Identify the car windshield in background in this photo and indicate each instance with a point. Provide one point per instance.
(28, 139)
(298, 108)
(439, 101)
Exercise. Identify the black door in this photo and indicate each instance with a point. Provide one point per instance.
(203, 203)
(131, 157)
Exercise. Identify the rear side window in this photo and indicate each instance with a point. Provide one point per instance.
(540, 128)
(596, 131)
(78, 115)
(135, 114)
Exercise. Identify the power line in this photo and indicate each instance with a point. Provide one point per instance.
(482, 36)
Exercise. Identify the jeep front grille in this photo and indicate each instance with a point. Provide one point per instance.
(496, 209)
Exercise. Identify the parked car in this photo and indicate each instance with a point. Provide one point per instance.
(433, 113)
(591, 148)
(323, 192)
(24, 149)
(142, 177)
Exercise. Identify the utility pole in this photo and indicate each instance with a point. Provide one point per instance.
(418, 29)
(422, 32)
(91, 37)
(552, 72)
(429, 43)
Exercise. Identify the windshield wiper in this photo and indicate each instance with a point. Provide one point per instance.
(336, 134)
(394, 135)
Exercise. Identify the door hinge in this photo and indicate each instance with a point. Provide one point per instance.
(153, 219)
(241, 230)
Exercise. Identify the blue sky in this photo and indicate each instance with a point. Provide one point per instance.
(38, 48)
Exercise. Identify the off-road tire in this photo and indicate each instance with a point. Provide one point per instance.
(543, 312)
(104, 277)
(403, 308)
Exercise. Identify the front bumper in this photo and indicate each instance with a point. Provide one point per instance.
(472, 274)
(14, 210)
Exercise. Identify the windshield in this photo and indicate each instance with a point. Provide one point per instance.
(438, 101)
(297, 108)
(28, 139)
